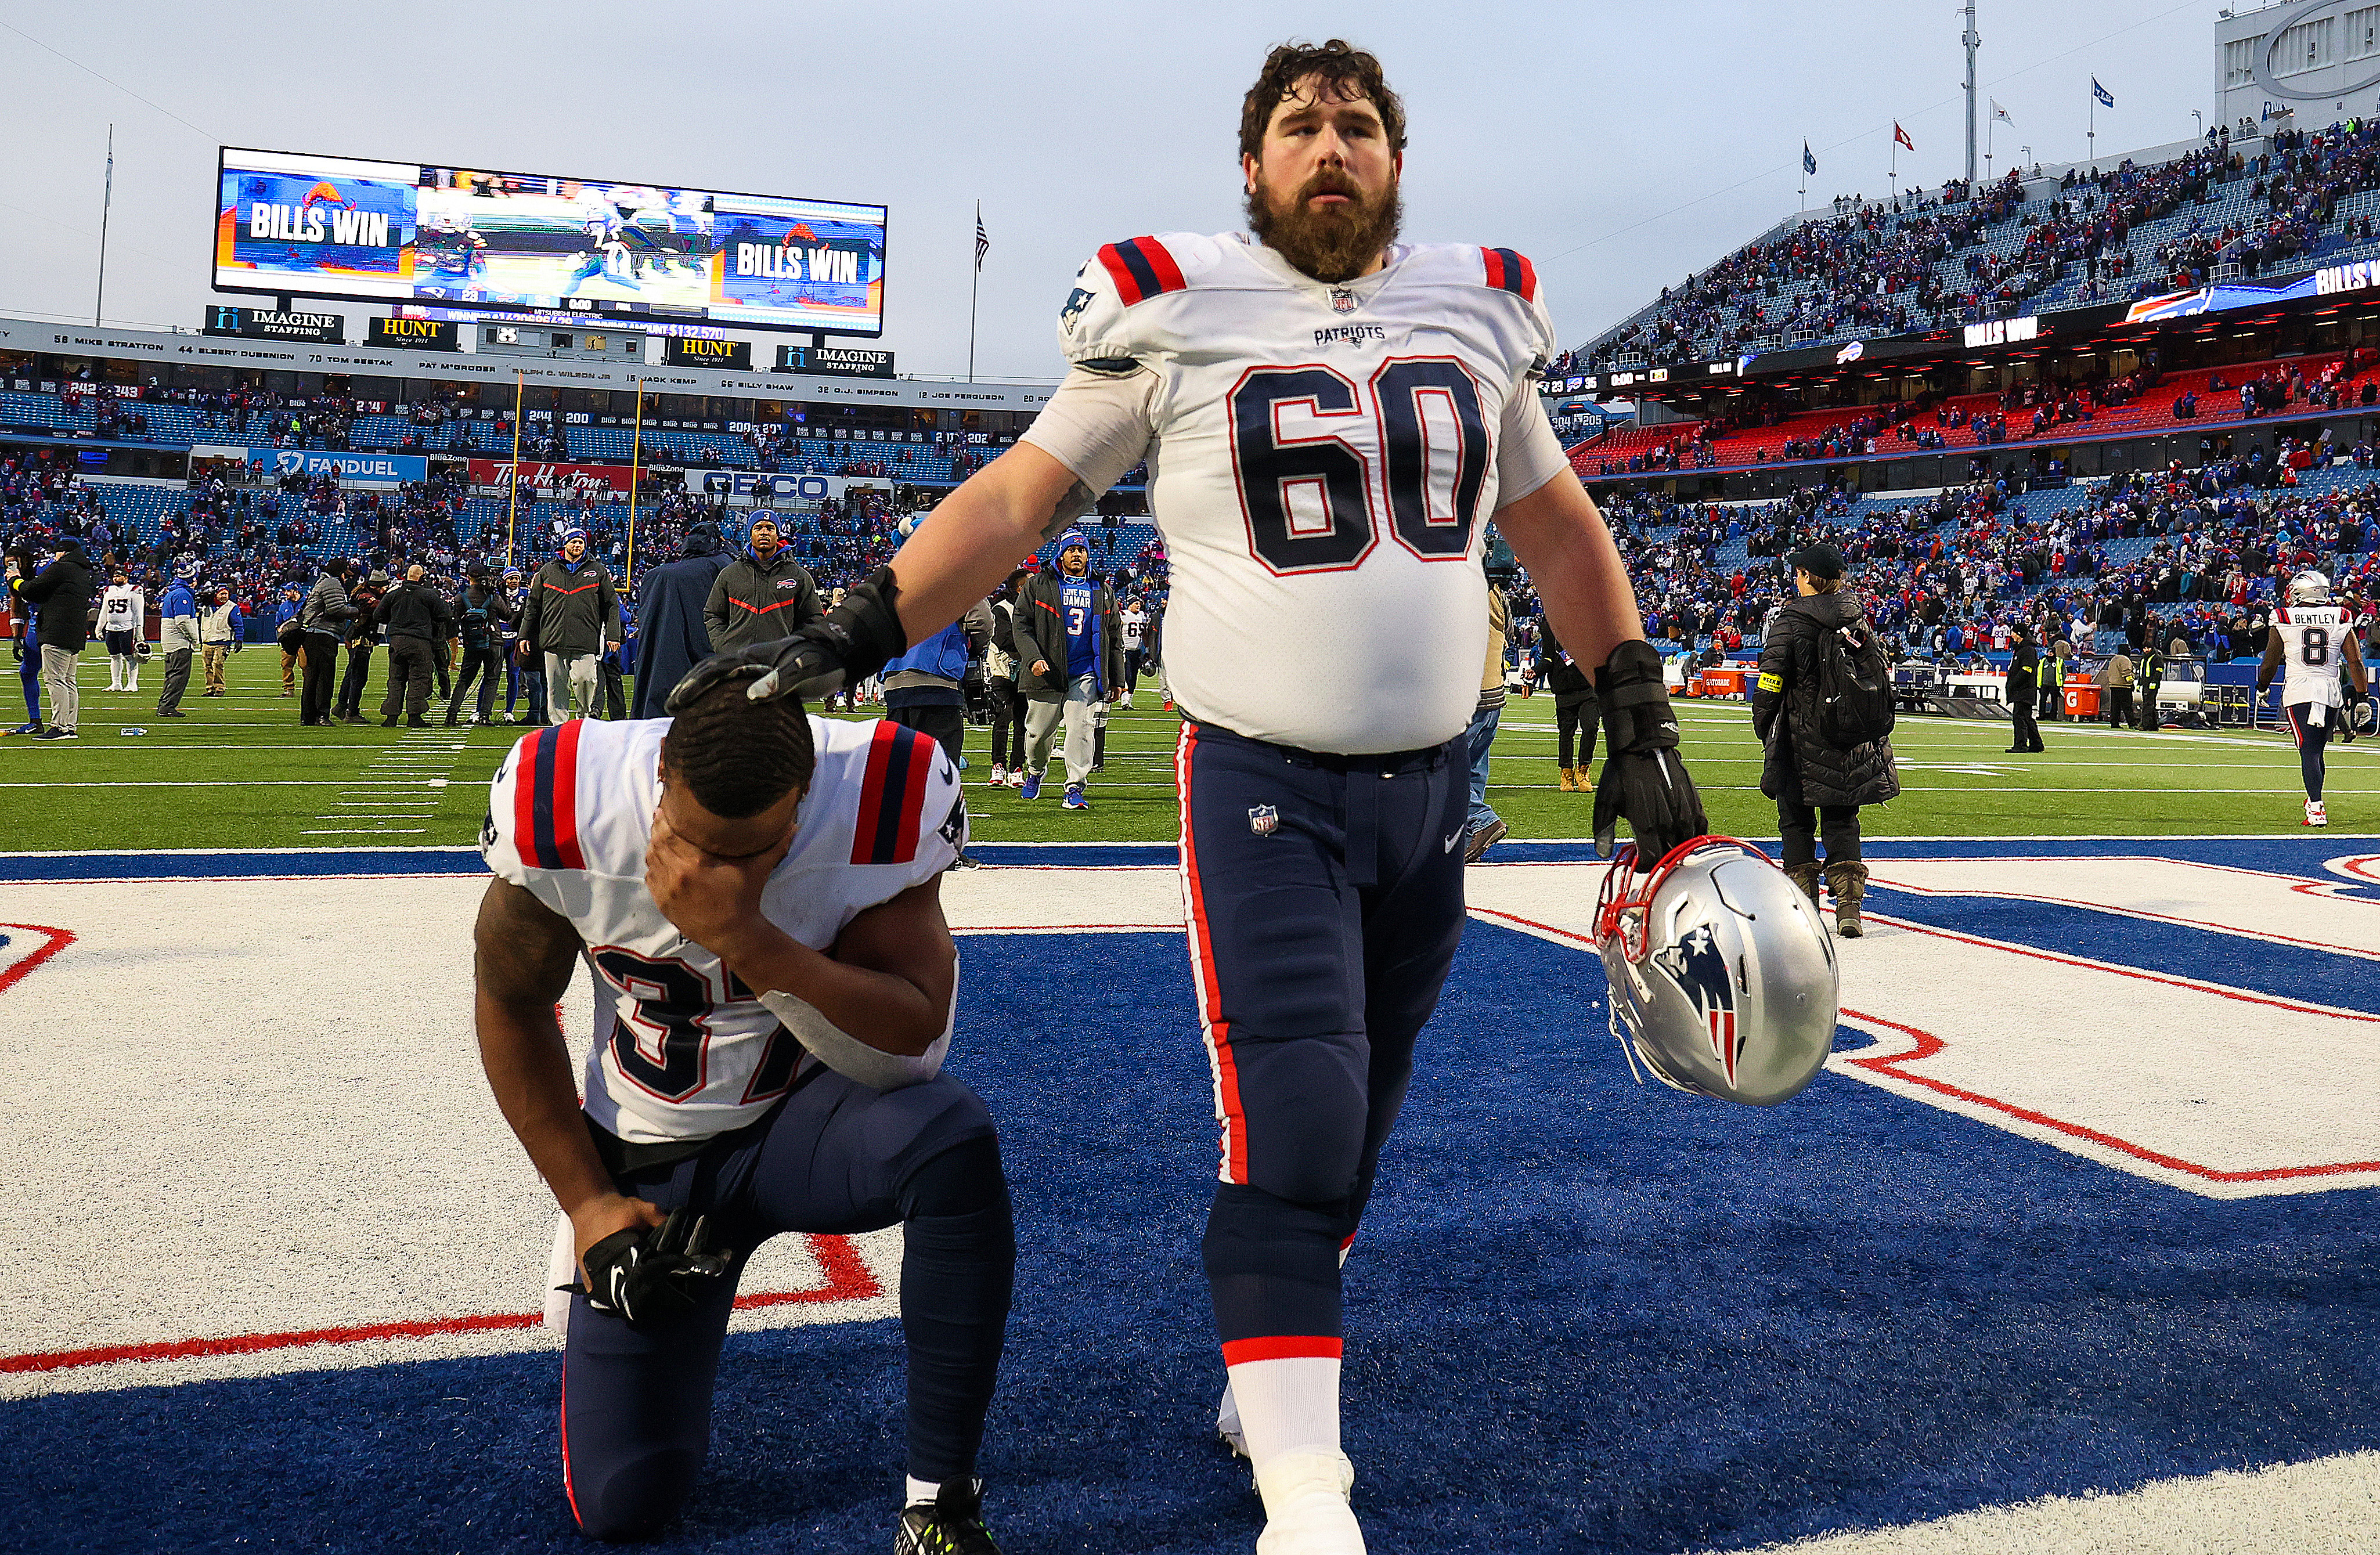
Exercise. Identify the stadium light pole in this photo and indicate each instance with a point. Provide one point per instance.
(106, 201)
(1973, 43)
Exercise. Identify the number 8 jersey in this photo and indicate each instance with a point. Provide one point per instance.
(2312, 650)
(1323, 461)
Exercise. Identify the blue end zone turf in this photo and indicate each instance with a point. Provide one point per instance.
(1583, 1317)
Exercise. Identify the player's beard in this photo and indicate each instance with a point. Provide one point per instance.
(1331, 243)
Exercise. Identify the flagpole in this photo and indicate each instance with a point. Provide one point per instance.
(974, 285)
(106, 202)
(636, 467)
(2092, 133)
(512, 501)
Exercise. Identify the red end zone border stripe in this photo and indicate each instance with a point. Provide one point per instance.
(848, 1279)
(1287, 1347)
(2328, 891)
(1929, 1044)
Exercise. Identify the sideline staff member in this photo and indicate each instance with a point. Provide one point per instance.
(2024, 681)
(1818, 786)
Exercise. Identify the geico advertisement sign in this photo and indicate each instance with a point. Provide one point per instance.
(744, 485)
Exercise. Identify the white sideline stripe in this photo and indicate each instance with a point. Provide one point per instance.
(216, 783)
(2329, 1506)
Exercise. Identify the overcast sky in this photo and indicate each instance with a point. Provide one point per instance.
(1621, 145)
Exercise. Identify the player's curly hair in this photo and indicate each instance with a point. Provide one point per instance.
(1346, 71)
(736, 756)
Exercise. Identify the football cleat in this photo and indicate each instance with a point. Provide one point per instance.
(1306, 1505)
(1074, 800)
(1031, 787)
(951, 1524)
(2315, 814)
(1722, 976)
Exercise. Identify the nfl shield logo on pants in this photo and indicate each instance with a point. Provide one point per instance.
(1263, 820)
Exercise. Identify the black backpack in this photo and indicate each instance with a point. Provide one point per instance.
(1854, 686)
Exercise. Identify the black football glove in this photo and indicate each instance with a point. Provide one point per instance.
(1643, 779)
(652, 1273)
(844, 646)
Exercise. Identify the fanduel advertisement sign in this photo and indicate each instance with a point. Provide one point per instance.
(308, 462)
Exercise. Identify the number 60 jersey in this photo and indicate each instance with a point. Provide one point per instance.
(682, 1050)
(1323, 461)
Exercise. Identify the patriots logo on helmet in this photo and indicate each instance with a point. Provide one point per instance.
(1076, 300)
(1699, 969)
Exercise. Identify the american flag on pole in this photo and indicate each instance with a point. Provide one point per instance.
(982, 238)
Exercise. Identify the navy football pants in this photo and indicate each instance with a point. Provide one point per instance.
(834, 1157)
(2314, 741)
(1325, 899)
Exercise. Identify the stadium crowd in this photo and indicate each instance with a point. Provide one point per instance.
(1878, 269)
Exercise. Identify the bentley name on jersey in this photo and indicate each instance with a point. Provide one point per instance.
(683, 1049)
(2312, 648)
(1323, 461)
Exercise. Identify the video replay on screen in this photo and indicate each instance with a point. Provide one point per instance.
(294, 223)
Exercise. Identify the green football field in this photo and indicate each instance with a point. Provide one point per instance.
(239, 772)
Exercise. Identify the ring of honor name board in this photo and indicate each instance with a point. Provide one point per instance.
(293, 224)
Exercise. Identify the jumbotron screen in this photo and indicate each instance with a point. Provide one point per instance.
(290, 223)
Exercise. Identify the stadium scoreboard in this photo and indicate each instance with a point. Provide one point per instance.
(294, 223)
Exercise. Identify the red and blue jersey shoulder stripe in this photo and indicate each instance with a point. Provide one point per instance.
(545, 799)
(1508, 270)
(1141, 268)
(892, 795)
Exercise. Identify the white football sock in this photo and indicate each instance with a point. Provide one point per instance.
(1287, 1405)
(922, 1491)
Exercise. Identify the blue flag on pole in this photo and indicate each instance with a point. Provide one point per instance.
(2101, 92)
(1809, 163)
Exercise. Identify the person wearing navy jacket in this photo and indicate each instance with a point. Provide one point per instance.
(671, 636)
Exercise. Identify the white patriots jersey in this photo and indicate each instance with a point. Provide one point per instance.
(2312, 648)
(682, 1050)
(120, 608)
(1323, 461)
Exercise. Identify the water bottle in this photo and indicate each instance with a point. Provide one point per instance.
(128, 731)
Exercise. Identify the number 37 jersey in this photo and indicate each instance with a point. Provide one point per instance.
(2312, 648)
(1323, 461)
(683, 1049)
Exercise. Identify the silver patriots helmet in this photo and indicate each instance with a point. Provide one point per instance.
(2310, 588)
(1723, 977)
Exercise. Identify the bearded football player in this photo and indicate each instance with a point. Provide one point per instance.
(1331, 419)
(756, 895)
